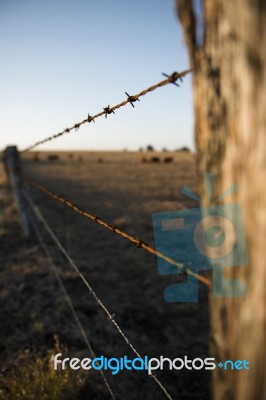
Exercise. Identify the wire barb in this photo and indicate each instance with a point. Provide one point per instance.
(109, 110)
(63, 288)
(98, 300)
(131, 99)
(173, 78)
(138, 242)
(90, 118)
(76, 126)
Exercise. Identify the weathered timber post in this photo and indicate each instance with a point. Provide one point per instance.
(229, 82)
(14, 171)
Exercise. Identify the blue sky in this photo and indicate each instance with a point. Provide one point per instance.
(61, 60)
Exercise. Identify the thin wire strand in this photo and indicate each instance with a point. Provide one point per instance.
(109, 110)
(64, 290)
(138, 242)
(82, 277)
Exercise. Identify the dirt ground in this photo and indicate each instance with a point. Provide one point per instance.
(124, 191)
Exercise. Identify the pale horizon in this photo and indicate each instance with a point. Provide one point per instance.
(61, 61)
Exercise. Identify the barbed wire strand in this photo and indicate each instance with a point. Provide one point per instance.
(64, 290)
(111, 110)
(85, 281)
(137, 241)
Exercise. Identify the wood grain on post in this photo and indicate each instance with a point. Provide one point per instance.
(13, 168)
(229, 83)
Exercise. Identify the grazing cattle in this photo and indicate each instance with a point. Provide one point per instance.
(168, 160)
(80, 159)
(155, 159)
(36, 158)
(53, 157)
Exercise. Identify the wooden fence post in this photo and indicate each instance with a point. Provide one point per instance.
(14, 172)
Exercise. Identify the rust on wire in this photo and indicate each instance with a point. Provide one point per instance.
(131, 99)
(92, 292)
(137, 241)
(173, 78)
(64, 290)
(108, 110)
(90, 118)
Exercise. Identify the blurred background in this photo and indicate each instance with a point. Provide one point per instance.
(63, 59)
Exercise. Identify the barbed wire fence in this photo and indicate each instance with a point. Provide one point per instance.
(131, 99)
(31, 217)
(135, 240)
(62, 286)
(51, 233)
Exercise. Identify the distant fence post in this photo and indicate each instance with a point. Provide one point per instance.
(14, 171)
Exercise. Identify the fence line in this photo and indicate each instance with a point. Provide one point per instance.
(64, 290)
(87, 284)
(111, 110)
(137, 241)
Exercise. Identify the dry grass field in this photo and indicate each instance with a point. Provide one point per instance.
(124, 191)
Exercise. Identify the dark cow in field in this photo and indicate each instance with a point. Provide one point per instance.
(155, 159)
(168, 160)
(53, 157)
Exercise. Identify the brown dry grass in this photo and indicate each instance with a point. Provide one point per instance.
(126, 193)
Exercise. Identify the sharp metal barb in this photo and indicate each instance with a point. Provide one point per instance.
(64, 290)
(173, 78)
(109, 110)
(137, 241)
(132, 99)
(90, 118)
(92, 292)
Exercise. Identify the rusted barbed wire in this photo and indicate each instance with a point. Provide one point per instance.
(111, 110)
(137, 241)
(64, 291)
(92, 292)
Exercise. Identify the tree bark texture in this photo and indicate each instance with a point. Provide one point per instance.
(229, 83)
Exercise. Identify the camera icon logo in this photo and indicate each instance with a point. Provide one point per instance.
(205, 238)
